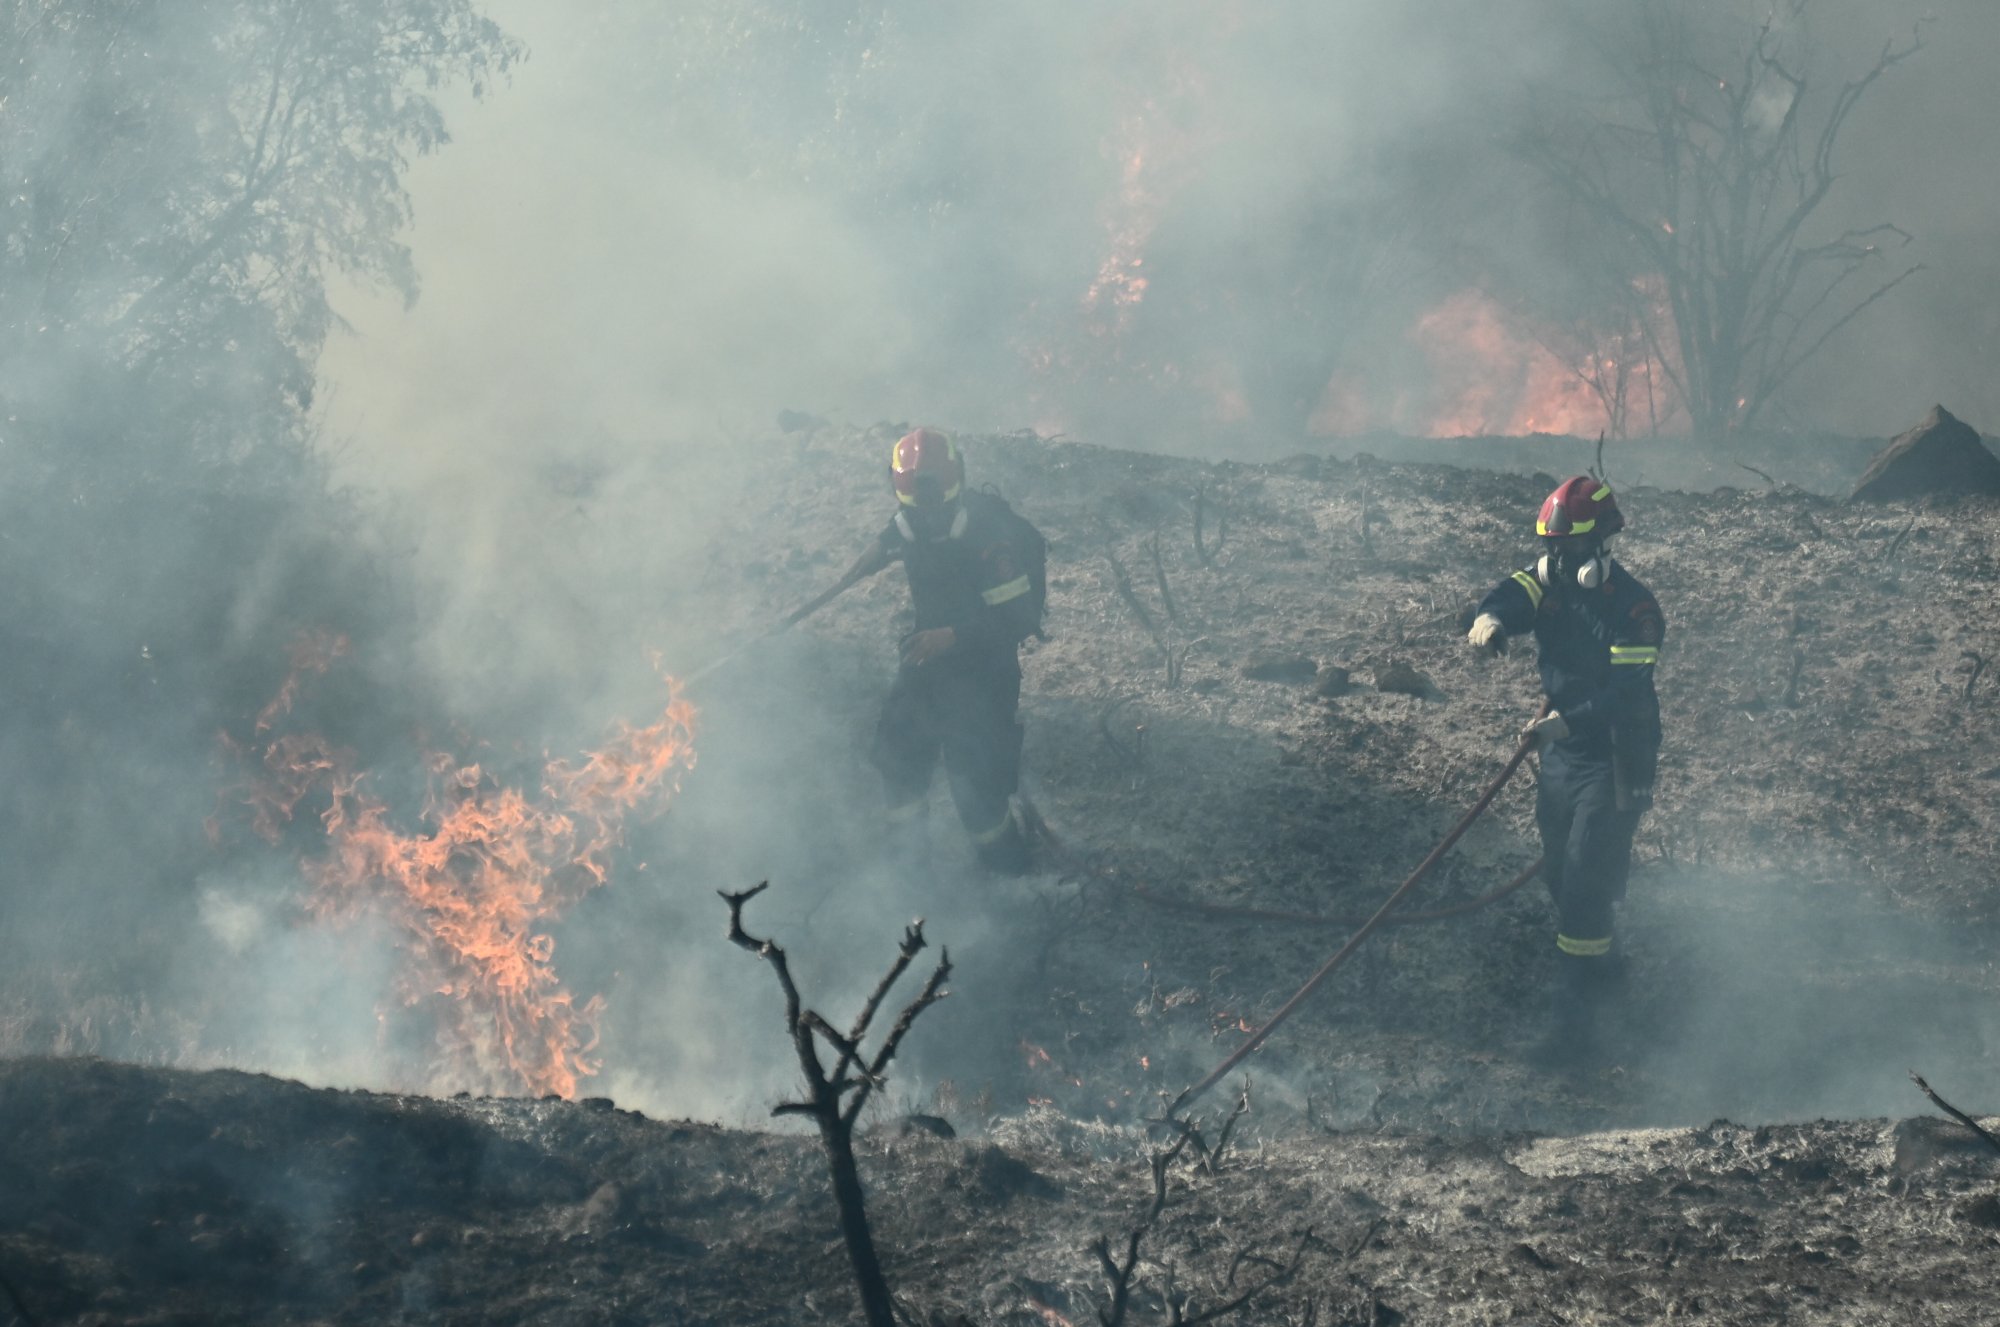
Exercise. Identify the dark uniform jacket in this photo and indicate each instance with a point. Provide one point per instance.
(1597, 651)
(987, 581)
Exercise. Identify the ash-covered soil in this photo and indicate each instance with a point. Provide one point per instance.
(1812, 914)
(168, 1197)
(1813, 904)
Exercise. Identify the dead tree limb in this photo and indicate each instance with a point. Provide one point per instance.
(1160, 579)
(1901, 535)
(1280, 1275)
(1953, 1111)
(1213, 1162)
(1121, 581)
(1117, 1273)
(835, 1097)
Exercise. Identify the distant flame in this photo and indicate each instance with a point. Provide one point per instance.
(1483, 374)
(474, 890)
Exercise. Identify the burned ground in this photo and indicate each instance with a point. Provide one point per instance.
(1812, 913)
(169, 1197)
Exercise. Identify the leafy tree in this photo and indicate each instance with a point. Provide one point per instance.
(179, 179)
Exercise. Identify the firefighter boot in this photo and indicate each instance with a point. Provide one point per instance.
(1004, 848)
(1573, 1041)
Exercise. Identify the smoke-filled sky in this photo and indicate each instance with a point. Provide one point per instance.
(679, 217)
(1158, 225)
(1181, 225)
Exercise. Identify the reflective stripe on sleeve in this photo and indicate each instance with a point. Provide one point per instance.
(1000, 594)
(1583, 948)
(1635, 654)
(1532, 586)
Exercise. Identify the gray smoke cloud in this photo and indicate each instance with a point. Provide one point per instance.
(1161, 226)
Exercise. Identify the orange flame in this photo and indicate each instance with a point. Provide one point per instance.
(1485, 375)
(474, 891)
(1049, 1315)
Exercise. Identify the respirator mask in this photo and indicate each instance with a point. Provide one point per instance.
(1577, 560)
(932, 517)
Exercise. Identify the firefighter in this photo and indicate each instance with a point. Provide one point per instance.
(978, 584)
(1598, 633)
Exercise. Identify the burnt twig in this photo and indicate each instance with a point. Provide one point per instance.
(1597, 466)
(1117, 1273)
(1177, 662)
(1901, 535)
(1122, 583)
(1200, 510)
(1953, 1111)
(1212, 1162)
(1133, 755)
(835, 1097)
(1280, 1276)
(1759, 473)
(1160, 579)
(1972, 674)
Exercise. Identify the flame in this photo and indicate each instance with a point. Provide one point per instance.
(1049, 1315)
(473, 891)
(313, 652)
(1485, 374)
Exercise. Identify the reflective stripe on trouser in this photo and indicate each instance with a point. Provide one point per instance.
(1586, 846)
(965, 715)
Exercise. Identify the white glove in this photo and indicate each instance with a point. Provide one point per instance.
(1487, 633)
(1546, 731)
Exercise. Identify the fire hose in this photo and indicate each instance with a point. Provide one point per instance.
(865, 566)
(1375, 922)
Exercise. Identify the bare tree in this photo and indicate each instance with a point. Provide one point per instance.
(835, 1097)
(1702, 166)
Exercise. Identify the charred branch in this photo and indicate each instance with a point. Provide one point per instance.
(1118, 1272)
(835, 1097)
(1901, 535)
(1954, 1111)
(1133, 755)
(1976, 664)
(1280, 1275)
(1121, 581)
(1160, 579)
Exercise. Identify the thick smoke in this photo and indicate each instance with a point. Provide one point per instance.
(1160, 226)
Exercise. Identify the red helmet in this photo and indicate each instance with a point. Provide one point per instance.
(1580, 506)
(926, 469)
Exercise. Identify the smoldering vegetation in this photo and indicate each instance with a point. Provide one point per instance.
(441, 565)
